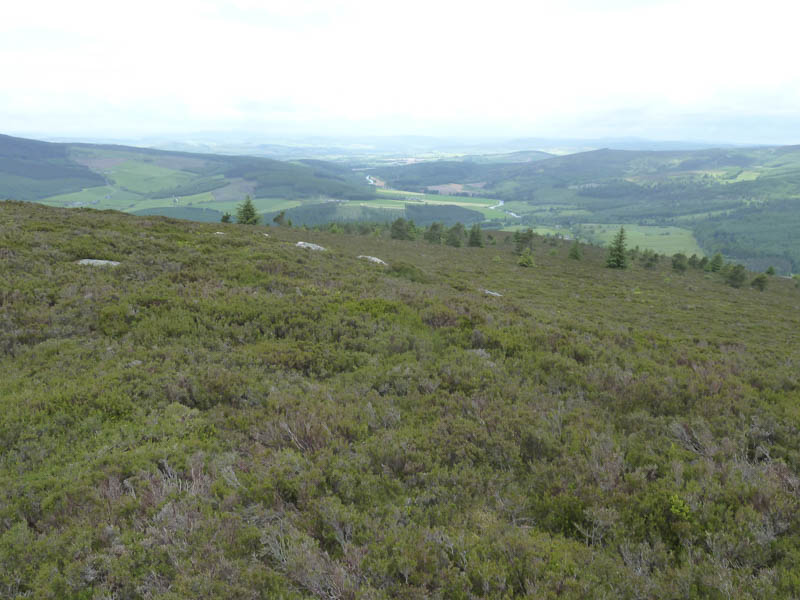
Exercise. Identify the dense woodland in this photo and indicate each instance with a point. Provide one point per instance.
(227, 415)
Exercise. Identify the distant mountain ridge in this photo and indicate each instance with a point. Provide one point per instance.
(125, 177)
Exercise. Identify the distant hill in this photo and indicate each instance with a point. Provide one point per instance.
(31, 170)
(521, 156)
(744, 202)
(143, 179)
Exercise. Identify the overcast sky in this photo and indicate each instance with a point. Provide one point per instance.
(697, 69)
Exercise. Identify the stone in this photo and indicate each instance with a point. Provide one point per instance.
(309, 246)
(96, 262)
(374, 259)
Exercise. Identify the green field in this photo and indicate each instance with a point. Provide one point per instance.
(398, 199)
(664, 240)
(102, 197)
(143, 178)
(135, 179)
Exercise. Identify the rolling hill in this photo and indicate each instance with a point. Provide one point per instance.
(742, 202)
(179, 184)
(224, 414)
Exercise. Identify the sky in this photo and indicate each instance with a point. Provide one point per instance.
(703, 70)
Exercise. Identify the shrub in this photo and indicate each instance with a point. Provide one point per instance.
(575, 251)
(760, 282)
(679, 262)
(736, 276)
(526, 258)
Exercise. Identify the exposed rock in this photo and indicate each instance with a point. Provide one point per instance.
(309, 246)
(265, 234)
(374, 259)
(219, 233)
(491, 293)
(96, 262)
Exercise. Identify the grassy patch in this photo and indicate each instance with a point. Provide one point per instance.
(664, 240)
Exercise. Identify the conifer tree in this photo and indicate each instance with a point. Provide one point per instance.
(526, 258)
(475, 236)
(401, 229)
(434, 233)
(679, 262)
(522, 240)
(736, 276)
(246, 213)
(760, 282)
(575, 251)
(616, 252)
(716, 263)
(454, 235)
(226, 218)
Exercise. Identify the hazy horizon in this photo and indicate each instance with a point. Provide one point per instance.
(711, 71)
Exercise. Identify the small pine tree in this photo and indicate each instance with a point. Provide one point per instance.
(679, 262)
(401, 230)
(526, 258)
(575, 251)
(434, 233)
(246, 213)
(455, 235)
(522, 240)
(736, 276)
(760, 282)
(475, 236)
(716, 263)
(616, 252)
(770, 270)
(226, 218)
(280, 218)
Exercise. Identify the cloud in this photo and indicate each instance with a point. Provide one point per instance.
(395, 67)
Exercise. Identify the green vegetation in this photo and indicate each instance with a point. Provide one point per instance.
(525, 258)
(741, 202)
(475, 236)
(575, 252)
(230, 416)
(760, 282)
(246, 213)
(616, 258)
(402, 230)
(177, 184)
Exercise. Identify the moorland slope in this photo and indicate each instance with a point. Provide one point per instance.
(227, 415)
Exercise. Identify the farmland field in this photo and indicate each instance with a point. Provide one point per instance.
(665, 240)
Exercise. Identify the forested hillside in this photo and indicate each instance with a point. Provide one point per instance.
(180, 184)
(225, 414)
(742, 202)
